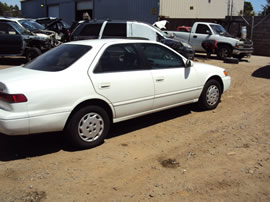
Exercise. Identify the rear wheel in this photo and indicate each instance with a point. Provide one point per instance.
(224, 51)
(88, 127)
(210, 96)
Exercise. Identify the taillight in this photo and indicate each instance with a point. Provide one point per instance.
(13, 98)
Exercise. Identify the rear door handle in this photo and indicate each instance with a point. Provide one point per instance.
(194, 36)
(104, 85)
(160, 79)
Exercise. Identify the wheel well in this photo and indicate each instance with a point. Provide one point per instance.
(96, 102)
(218, 79)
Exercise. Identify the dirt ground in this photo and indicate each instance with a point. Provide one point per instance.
(180, 154)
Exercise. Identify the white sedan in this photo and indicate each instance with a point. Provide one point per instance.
(82, 87)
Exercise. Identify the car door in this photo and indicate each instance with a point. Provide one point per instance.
(174, 83)
(201, 34)
(11, 43)
(120, 76)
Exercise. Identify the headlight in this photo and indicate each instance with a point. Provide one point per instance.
(239, 44)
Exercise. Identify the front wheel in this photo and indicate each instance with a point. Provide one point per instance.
(224, 51)
(88, 127)
(210, 95)
(32, 53)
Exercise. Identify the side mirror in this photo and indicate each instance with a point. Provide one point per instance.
(208, 32)
(188, 64)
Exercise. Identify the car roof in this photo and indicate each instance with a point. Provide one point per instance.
(13, 19)
(94, 21)
(101, 42)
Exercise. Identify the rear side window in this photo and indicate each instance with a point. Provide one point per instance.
(58, 58)
(159, 57)
(115, 30)
(91, 30)
(117, 58)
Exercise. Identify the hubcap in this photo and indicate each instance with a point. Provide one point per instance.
(212, 95)
(224, 52)
(91, 127)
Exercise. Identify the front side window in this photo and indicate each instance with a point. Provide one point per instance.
(202, 29)
(7, 29)
(160, 57)
(117, 58)
(58, 58)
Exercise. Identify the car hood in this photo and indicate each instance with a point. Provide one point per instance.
(201, 67)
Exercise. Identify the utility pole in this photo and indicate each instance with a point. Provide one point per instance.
(231, 9)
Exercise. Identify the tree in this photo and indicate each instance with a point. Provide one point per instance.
(6, 10)
(266, 8)
(248, 9)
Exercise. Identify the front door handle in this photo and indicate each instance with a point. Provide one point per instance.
(194, 36)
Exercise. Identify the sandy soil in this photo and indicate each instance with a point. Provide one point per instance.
(180, 154)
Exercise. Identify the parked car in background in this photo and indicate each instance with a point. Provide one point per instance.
(15, 40)
(82, 87)
(100, 29)
(36, 28)
(227, 46)
(57, 25)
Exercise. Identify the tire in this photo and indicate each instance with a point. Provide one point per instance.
(231, 60)
(210, 96)
(88, 127)
(32, 53)
(224, 51)
(240, 56)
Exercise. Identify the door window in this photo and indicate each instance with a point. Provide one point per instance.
(115, 30)
(121, 57)
(159, 57)
(7, 29)
(202, 29)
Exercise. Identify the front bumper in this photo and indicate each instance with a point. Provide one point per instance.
(226, 83)
(244, 51)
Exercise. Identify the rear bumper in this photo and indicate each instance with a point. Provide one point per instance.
(37, 124)
(14, 127)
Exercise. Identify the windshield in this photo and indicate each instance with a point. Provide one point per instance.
(66, 25)
(17, 27)
(58, 58)
(218, 29)
(31, 25)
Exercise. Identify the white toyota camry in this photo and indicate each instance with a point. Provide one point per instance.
(83, 87)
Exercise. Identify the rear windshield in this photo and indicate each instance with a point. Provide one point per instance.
(59, 58)
(91, 30)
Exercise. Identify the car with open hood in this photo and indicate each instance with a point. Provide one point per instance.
(15, 40)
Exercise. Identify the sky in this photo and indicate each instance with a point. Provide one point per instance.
(255, 3)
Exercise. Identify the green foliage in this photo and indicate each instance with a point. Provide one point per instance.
(248, 9)
(6, 10)
(266, 9)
